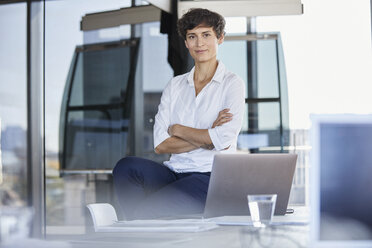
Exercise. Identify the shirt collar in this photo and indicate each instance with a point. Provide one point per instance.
(217, 77)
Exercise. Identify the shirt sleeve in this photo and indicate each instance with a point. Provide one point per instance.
(162, 118)
(223, 136)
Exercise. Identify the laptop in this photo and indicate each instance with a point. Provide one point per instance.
(340, 181)
(234, 176)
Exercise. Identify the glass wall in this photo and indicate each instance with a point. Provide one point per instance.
(69, 58)
(13, 102)
(88, 122)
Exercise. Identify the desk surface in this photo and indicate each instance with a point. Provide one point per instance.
(224, 236)
(293, 233)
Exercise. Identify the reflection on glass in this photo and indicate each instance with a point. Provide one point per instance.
(67, 195)
(97, 106)
(13, 112)
(267, 69)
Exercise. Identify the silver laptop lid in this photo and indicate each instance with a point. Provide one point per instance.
(234, 176)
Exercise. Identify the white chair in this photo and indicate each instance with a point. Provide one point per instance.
(104, 219)
(103, 215)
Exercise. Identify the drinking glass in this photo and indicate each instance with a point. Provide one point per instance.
(261, 208)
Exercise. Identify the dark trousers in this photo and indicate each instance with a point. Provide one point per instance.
(147, 190)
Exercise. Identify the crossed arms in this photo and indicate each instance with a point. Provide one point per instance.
(185, 139)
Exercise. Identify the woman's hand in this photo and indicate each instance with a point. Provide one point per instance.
(172, 129)
(223, 117)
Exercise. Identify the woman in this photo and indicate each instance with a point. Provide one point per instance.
(200, 114)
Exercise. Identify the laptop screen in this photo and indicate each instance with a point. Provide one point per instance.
(342, 161)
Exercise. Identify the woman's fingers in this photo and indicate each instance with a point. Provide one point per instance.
(224, 111)
(222, 121)
(223, 117)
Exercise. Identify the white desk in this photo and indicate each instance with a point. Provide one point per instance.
(224, 236)
(288, 231)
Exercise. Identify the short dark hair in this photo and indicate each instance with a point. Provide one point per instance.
(198, 16)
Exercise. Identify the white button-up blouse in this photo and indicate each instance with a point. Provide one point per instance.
(179, 105)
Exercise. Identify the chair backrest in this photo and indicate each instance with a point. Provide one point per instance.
(103, 214)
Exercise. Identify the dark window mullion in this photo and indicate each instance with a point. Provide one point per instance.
(259, 100)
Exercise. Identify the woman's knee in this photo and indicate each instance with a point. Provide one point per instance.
(132, 164)
(125, 165)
